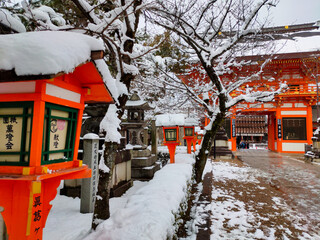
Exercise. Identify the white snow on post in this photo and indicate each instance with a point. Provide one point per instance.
(46, 52)
(91, 136)
(110, 124)
(102, 166)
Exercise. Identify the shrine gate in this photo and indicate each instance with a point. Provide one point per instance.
(289, 124)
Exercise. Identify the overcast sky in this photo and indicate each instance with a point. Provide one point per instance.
(290, 12)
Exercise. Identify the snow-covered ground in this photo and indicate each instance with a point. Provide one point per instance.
(242, 206)
(146, 211)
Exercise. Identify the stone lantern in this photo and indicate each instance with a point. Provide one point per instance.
(135, 124)
(134, 129)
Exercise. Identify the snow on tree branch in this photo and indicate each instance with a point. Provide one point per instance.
(11, 21)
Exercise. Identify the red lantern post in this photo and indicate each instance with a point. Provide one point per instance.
(171, 140)
(199, 138)
(189, 137)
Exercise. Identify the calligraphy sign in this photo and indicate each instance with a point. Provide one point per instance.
(58, 134)
(233, 128)
(37, 214)
(11, 134)
(279, 129)
(89, 185)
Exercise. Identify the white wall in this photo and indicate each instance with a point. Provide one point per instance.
(293, 147)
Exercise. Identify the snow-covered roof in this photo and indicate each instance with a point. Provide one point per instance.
(130, 103)
(46, 52)
(291, 43)
(168, 120)
(300, 44)
(136, 102)
(190, 122)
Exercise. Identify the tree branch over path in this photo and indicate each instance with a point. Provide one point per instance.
(214, 36)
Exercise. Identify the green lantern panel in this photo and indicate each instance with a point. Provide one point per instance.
(15, 133)
(59, 133)
(188, 132)
(171, 134)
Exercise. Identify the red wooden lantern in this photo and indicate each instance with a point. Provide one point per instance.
(189, 137)
(40, 123)
(171, 140)
(189, 133)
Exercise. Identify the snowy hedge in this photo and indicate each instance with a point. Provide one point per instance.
(153, 211)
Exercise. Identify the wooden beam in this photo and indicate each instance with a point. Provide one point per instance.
(95, 55)
(11, 76)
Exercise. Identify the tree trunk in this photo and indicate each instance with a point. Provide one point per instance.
(207, 141)
(102, 208)
(102, 211)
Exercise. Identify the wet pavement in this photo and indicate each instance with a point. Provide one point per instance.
(299, 182)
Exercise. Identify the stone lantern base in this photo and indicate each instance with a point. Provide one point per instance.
(143, 164)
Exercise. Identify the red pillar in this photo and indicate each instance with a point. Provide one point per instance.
(172, 151)
(309, 124)
(271, 132)
(189, 141)
(279, 119)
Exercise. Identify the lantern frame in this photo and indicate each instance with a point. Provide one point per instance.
(186, 131)
(170, 131)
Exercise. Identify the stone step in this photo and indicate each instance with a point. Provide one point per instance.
(144, 173)
(143, 161)
(121, 188)
(141, 153)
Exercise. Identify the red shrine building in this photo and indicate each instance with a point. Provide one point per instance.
(285, 124)
(287, 121)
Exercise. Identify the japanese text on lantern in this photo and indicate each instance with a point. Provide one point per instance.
(58, 136)
(94, 170)
(37, 215)
(10, 134)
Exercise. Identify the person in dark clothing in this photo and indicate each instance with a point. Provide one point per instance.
(238, 141)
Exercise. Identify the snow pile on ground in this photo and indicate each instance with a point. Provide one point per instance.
(150, 212)
(226, 171)
(65, 222)
(146, 211)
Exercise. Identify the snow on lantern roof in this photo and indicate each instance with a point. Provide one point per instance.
(136, 102)
(46, 52)
(190, 122)
(167, 120)
(47, 55)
